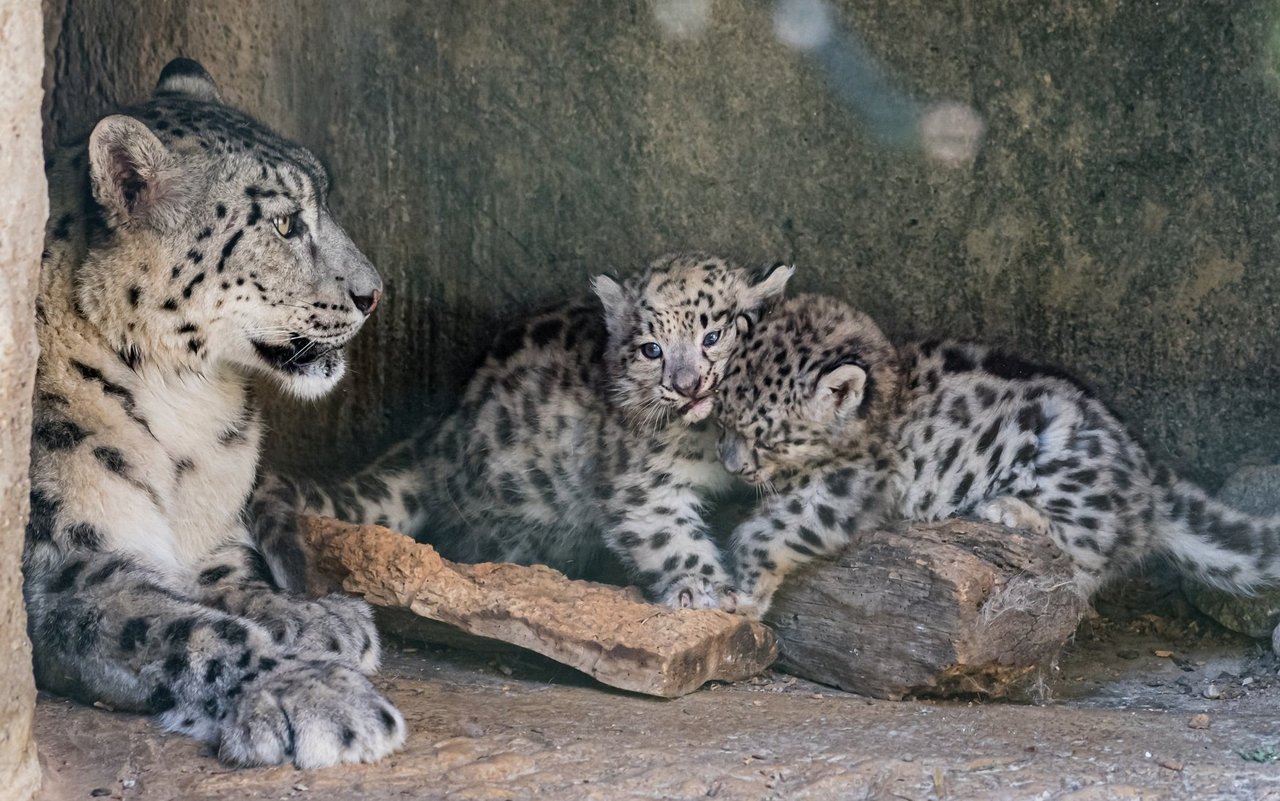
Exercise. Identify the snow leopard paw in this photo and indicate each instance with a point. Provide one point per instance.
(696, 591)
(333, 627)
(313, 714)
(1012, 512)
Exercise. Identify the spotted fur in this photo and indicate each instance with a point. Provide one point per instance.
(188, 247)
(584, 435)
(855, 434)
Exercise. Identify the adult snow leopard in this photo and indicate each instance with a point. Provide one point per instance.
(585, 432)
(854, 433)
(188, 246)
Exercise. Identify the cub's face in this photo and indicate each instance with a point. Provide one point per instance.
(228, 252)
(815, 378)
(674, 329)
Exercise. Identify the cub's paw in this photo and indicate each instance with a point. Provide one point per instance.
(755, 591)
(313, 714)
(695, 591)
(745, 605)
(1011, 512)
(337, 626)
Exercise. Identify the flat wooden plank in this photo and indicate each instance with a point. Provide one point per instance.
(601, 630)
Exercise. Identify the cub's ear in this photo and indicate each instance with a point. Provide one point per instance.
(135, 178)
(764, 289)
(187, 78)
(769, 284)
(839, 392)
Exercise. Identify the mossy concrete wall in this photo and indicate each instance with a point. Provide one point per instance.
(1119, 217)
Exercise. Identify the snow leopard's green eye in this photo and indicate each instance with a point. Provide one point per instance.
(284, 225)
(651, 350)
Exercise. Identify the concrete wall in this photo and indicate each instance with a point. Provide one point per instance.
(23, 210)
(1118, 219)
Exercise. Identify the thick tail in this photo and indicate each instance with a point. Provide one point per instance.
(1218, 544)
(387, 493)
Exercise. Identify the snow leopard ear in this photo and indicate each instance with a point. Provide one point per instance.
(768, 286)
(839, 392)
(187, 78)
(614, 299)
(135, 178)
(764, 289)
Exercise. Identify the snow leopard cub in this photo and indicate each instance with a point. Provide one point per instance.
(855, 434)
(585, 432)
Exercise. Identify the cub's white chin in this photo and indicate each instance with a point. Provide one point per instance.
(698, 411)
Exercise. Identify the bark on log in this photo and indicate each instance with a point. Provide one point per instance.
(601, 630)
(952, 608)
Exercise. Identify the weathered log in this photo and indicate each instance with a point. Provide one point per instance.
(601, 630)
(953, 608)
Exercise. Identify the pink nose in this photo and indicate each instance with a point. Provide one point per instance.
(687, 385)
(367, 303)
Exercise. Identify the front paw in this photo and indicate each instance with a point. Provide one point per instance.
(338, 626)
(1012, 512)
(313, 714)
(755, 594)
(695, 591)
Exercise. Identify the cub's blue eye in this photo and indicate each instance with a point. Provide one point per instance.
(651, 350)
(710, 339)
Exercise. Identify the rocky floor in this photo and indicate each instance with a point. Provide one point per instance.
(1141, 707)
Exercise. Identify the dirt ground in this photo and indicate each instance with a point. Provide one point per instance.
(1141, 707)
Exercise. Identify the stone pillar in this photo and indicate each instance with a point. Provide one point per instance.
(23, 209)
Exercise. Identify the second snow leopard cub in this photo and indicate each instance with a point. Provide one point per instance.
(583, 433)
(856, 434)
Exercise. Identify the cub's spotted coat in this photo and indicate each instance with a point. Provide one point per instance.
(583, 433)
(187, 247)
(855, 434)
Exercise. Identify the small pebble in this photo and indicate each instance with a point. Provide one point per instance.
(1171, 764)
(1212, 692)
(99, 792)
(1127, 653)
(1200, 721)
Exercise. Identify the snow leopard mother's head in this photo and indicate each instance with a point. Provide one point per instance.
(210, 241)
